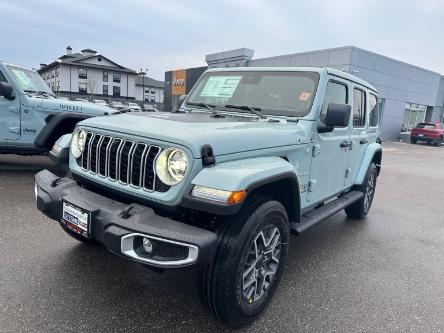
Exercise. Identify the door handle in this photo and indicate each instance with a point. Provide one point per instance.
(363, 141)
(345, 144)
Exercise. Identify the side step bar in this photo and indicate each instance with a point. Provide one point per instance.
(317, 215)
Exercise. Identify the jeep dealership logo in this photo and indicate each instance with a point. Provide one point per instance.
(179, 82)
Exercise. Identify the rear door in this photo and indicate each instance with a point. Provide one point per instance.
(9, 116)
(360, 136)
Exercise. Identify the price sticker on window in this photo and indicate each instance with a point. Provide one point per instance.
(220, 86)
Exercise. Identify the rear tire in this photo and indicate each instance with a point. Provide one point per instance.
(439, 142)
(248, 264)
(412, 141)
(360, 208)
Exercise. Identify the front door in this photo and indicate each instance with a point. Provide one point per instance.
(9, 117)
(330, 150)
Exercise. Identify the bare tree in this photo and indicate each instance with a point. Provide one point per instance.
(92, 88)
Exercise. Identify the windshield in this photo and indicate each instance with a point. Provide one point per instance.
(275, 93)
(28, 80)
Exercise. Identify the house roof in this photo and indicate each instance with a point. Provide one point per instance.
(76, 59)
(149, 82)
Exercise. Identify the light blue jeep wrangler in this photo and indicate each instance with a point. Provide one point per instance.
(31, 117)
(252, 155)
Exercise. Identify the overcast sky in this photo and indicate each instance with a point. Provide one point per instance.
(165, 35)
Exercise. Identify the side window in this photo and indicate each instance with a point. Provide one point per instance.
(358, 108)
(374, 114)
(2, 77)
(335, 93)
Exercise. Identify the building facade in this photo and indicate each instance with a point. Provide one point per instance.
(88, 74)
(149, 91)
(408, 94)
(179, 82)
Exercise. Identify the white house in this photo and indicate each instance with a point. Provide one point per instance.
(87, 74)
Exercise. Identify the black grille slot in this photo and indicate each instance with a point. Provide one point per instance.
(93, 153)
(149, 181)
(103, 150)
(125, 161)
(112, 160)
(136, 168)
(132, 163)
(85, 151)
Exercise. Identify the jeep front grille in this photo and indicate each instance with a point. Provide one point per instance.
(125, 161)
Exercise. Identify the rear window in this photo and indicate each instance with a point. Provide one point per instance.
(426, 126)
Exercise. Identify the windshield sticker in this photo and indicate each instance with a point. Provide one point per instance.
(304, 96)
(220, 86)
(24, 80)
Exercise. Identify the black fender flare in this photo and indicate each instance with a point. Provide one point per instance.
(266, 186)
(58, 125)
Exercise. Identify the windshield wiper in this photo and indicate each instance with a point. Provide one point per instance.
(209, 107)
(253, 109)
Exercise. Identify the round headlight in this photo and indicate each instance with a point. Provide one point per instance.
(78, 143)
(171, 166)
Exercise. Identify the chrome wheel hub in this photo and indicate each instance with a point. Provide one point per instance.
(261, 264)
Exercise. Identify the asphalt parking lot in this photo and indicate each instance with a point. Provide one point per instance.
(382, 274)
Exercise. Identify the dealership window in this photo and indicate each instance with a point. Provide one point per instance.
(358, 108)
(152, 91)
(105, 76)
(374, 114)
(116, 77)
(413, 114)
(116, 91)
(105, 90)
(335, 93)
(82, 88)
(83, 73)
(152, 99)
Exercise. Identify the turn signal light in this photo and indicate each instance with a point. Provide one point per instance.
(236, 197)
(222, 196)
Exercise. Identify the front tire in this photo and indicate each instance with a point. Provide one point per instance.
(439, 142)
(360, 208)
(412, 141)
(249, 263)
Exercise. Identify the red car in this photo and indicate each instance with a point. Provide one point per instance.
(428, 132)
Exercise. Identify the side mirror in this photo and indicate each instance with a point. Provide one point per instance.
(338, 115)
(180, 100)
(6, 90)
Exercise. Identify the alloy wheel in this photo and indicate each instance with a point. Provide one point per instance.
(261, 264)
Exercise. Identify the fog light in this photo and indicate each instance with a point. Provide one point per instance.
(147, 245)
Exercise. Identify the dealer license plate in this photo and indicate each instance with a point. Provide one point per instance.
(76, 219)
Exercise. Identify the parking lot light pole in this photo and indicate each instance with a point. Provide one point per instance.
(143, 73)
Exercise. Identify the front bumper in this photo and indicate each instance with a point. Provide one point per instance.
(119, 226)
